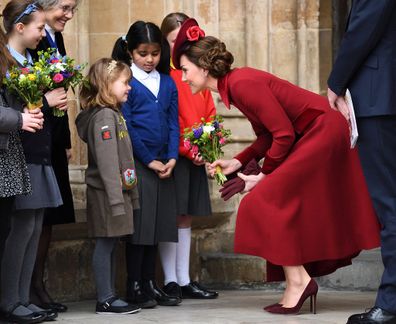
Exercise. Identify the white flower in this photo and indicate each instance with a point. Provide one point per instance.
(22, 77)
(208, 129)
(60, 66)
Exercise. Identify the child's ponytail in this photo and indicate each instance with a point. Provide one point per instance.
(120, 51)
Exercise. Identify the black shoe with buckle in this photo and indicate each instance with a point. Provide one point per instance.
(196, 291)
(31, 318)
(375, 315)
(150, 288)
(172, 289)
(107, 308)
(50, 314)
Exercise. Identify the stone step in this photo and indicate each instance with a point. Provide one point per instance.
(229, 270)
(236, 271)
(364, 273)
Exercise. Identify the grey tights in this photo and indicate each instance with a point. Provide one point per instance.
(103, 263)
(19, 257)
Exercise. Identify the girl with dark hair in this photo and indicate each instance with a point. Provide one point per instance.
(110, 202)
(57, 14)
(192, 191)
(152, 120)
(308, 211)
(24, 24)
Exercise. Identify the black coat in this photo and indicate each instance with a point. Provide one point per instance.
(60, 142)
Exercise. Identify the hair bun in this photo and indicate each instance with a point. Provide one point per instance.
(217, 59)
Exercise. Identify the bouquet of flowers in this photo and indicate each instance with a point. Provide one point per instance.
(61, 70)
(207, 139)
(29, 83)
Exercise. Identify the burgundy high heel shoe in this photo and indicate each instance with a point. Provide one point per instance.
(266, 308)
(310, 291)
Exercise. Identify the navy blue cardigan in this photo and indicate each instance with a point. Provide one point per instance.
(153, 123)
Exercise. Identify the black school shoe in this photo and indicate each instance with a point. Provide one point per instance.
(136, 296)
(50, 314)
(172, 289)
(150, 288)
(106, 308)
(196, 291)
(9, 317)
(57, 307)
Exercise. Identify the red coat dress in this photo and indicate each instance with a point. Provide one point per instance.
(313, 206)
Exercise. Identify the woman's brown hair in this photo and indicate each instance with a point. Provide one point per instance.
(210, 54)
(100, 77)
(172, 21)
(14, 9)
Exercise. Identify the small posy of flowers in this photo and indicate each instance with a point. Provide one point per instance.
(207, 139)
(62, 71)
(28, 83)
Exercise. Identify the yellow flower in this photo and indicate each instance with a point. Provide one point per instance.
(31, 77)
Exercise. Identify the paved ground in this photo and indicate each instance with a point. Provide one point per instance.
(242, 306)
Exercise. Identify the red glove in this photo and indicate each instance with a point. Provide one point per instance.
(236, 184)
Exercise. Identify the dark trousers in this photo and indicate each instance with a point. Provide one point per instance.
(140, 260)
(5, 212)
(377, 150)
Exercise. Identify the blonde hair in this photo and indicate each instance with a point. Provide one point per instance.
(100, 77)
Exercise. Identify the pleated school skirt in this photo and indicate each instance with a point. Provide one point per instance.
(155, 221)
(192, 189)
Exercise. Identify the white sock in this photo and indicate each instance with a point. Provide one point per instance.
(183, 256)
(168, 259)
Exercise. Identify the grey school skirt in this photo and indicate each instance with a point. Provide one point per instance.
(45, 190)
(192, 190)
(155, 221)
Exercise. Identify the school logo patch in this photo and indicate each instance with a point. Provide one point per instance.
(106, 134)
(129, 177)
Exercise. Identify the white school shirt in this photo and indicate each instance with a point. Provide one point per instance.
(19, 57)
(150, 80)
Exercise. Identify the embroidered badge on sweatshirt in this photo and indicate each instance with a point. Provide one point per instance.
(122, 133)
(106, 133)
(129, 178)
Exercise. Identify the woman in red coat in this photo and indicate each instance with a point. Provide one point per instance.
(308, 212)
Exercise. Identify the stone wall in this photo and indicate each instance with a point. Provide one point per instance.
(290, 38)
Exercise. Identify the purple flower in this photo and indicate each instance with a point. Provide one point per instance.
(66, 74)
(216, 124)
(197, 132)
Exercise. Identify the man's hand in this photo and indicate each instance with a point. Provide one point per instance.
(338, 103)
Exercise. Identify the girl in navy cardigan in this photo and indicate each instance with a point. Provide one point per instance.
(152, 120)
